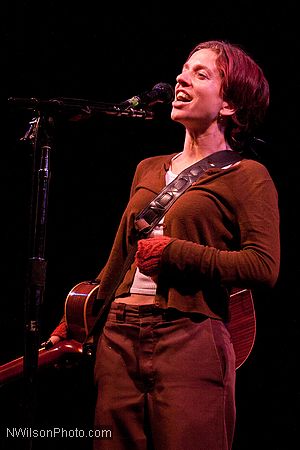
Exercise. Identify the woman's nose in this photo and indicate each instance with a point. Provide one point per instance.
(183, 77)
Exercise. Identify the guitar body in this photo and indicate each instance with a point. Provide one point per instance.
(242, 324)
(81, 309)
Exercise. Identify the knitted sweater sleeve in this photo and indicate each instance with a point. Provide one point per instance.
(256, 262)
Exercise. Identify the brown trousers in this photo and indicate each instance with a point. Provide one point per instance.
(165, 381)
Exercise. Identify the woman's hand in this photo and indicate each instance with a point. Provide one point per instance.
(148, 255)
(51, 342)
(58, 334)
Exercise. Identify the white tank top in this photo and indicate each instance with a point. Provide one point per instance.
(143, 284)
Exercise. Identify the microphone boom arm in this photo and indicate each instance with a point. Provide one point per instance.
(79, 108)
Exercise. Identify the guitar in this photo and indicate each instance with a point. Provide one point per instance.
(58, 353)
(81, 311)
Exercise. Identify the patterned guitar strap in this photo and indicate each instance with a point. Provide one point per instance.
(150, 216)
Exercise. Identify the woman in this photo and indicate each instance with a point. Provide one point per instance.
(165, 364)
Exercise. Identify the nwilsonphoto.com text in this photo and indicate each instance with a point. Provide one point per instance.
(56, 433)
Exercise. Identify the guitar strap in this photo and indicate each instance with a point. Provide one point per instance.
(150, 216)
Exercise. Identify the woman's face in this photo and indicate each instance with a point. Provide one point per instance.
(197, 93)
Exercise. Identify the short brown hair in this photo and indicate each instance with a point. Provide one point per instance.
(244, 87)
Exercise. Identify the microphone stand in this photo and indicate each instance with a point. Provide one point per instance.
(40, 135)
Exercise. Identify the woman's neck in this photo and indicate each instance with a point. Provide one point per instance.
(198, 147)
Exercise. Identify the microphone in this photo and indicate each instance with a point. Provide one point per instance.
(160, 93)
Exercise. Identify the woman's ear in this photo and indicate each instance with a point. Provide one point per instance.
(227, 109)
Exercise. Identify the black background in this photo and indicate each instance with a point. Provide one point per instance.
(80, 50)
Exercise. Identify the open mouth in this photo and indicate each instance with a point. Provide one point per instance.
(183, 97)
